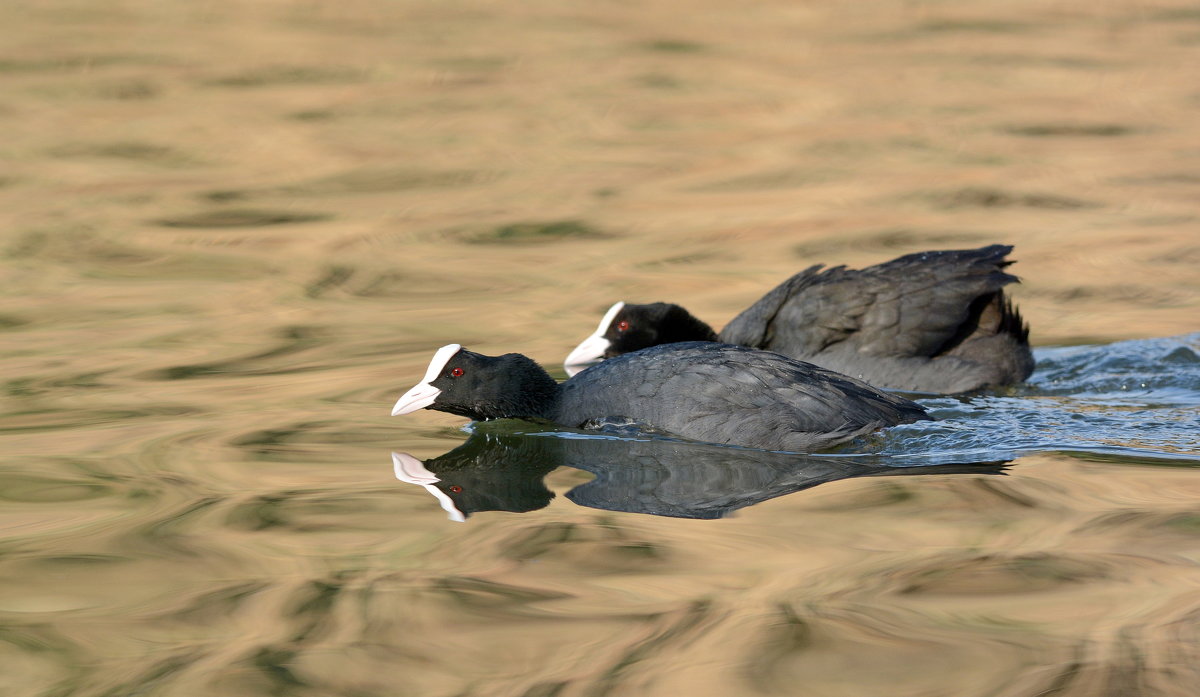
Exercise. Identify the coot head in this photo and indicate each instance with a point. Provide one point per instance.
(627, 327)
(480, 387)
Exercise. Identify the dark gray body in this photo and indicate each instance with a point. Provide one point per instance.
(929, 322)
(729, 394)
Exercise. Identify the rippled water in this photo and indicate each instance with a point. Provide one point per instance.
(232, 233)
(1133, 401)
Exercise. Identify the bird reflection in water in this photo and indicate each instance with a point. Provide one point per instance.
(505, 472)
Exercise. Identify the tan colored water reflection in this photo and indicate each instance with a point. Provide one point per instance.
(233, 231)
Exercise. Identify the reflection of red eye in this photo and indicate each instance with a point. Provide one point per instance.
(456, 490)
(456, 372)
(622, 326)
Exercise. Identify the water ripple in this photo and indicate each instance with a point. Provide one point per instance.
(1138, 400)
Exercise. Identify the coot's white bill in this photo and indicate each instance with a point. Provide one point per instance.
(422, 394)
(418, 397)
(411, 470)
(592, 349)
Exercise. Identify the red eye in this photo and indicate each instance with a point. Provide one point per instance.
(622, 326)
(456, 490)
(456, 372)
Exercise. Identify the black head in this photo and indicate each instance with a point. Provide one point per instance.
(626, 328)
(481, 387)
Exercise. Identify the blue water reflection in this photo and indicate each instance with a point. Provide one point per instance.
(1135, 401)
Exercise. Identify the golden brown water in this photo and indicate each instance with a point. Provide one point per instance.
(233, 232)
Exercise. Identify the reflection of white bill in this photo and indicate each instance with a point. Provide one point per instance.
(411, 470)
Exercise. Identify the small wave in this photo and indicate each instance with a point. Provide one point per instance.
(1132, 399)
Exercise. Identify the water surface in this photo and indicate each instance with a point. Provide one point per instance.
(232, 233)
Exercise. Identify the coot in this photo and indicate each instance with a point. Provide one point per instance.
(927, 322)
(701, 391)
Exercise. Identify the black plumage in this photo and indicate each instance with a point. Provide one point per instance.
(927, 322)
(700, 391)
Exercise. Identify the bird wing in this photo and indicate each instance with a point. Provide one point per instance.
(754, 326)
(916, 305)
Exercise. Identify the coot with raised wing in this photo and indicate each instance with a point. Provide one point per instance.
(928, 322)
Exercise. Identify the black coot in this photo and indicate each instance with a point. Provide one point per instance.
(927, 322)
(700, 391)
